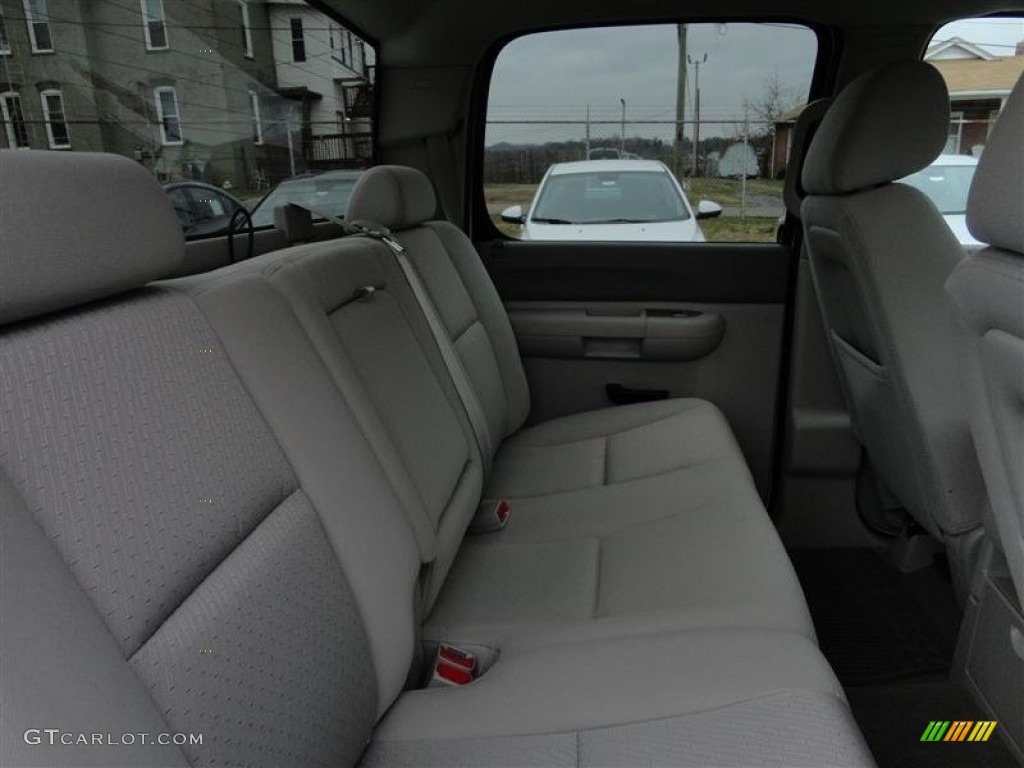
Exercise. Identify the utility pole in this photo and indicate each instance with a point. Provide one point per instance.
(696, 106)
(746, 153)
(623, 126)
(677, 144)
(587, 156)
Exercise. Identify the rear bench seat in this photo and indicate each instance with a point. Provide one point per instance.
(209, 525)
(672, 492)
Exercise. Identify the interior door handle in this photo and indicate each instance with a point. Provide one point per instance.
(622, 395)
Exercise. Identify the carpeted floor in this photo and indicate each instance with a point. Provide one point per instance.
(890, 638)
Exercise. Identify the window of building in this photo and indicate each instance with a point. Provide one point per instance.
(298, 41)
(56, 120)
(154, 25)
(246, 30)
(38, 19)
(346, 48)
(168, 115)
(687, 139)
(956, 128)
(14, 120)
(257, 123)
(5, 40)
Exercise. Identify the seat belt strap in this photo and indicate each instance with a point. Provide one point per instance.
(442, 164)
(463, 385)
(460, 378)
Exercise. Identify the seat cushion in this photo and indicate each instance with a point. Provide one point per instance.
(690, 548)
(697, 699)
(611, 445)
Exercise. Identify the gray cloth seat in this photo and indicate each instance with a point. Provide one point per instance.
(611, 445)
(198, 536)
(633, 440)
(592, 495)
(880, 253)
(565, 566)
(987, 293)
(692, 699)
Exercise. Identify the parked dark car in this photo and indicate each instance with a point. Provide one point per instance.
(203, 209)
(328, 191)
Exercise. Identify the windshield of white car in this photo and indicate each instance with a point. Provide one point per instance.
(609, 197)
(945, 185)
(328, 195)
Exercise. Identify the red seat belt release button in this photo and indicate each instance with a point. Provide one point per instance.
(491, 517)
(456, 657)
(449, 674)
(453, 666)
(501, 512)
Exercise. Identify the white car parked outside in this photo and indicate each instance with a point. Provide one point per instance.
(946, 182)
(619, 200)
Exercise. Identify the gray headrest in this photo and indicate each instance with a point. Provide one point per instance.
(884, 125)
(995, 206)
(393, 196)
(76, 226)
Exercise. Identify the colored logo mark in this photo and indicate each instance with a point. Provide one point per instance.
(958, 730)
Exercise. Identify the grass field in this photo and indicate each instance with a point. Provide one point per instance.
(728, 228)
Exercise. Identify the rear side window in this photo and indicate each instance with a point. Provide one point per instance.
(234, 94)
(675, 133)
(980, 60)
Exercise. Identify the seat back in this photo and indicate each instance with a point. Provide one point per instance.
(880, 253)
(402, 199)
(151, 508)
(988, 307)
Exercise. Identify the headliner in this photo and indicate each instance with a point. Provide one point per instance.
(457, 31)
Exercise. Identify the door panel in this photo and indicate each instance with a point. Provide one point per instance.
(616, 332)
(600, 323)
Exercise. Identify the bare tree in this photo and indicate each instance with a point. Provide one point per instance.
(764, 112)
(766, 109)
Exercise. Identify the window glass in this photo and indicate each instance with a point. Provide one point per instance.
(246, 32)
(154, 25)
(56, 122)
(298, 41)
(206, 92)
(5, 40)
(328, 192)
(980, 60)
(38, 19)
(15, 130)
(657, 132)
(182, 206)
(169, 117)
(947, 185)
(257, 125)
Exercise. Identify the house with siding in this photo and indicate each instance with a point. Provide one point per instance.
(978, 82)
(231, 92)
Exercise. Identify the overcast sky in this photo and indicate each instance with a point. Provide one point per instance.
(556, 75)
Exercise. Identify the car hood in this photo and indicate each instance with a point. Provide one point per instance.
(659, 231)
(958, 223)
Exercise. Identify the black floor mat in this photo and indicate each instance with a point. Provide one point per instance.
(869, 624)
(893, 717)
(890, 638)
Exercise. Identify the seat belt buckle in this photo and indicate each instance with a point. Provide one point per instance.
(453, 667)
(450, 654)
(491, 516)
